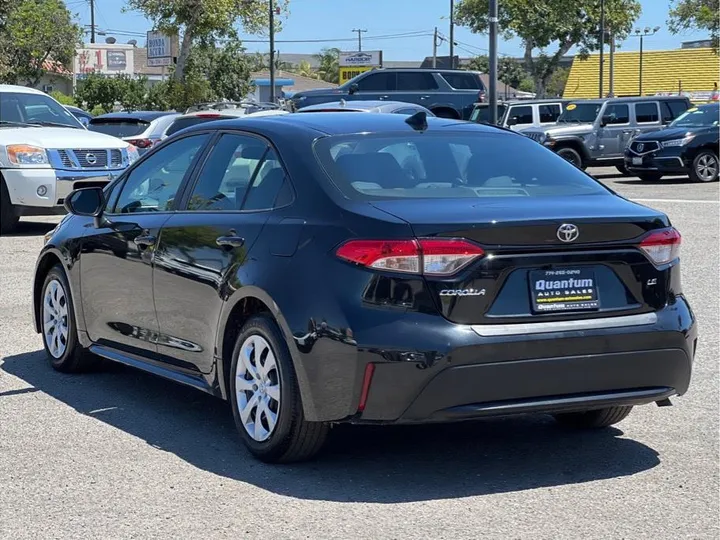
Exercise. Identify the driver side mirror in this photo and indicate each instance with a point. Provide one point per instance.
(605, 120)
(88, 202)
(353, 88)
(512, 121)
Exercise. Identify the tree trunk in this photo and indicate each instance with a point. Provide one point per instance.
(184, 53)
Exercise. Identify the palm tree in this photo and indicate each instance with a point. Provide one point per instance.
(329, 70)
(304, 69)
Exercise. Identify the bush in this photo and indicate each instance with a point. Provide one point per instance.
(63, 99)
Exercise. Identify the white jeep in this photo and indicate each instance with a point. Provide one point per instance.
(45, 153)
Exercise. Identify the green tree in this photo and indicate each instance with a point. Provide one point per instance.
(33, 34)
(304, 69)
(206, 19)
(542, 24)
(97, 90)
(557, 81)
(131, 91)
(510, 71)
(696, 15)
(329, 69)
(61, 98)
(227, 69)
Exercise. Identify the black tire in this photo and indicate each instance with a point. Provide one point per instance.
(623, 170)
(293, 438)
(650, 176)
(705, 167)
(8, 216)
(598, 418)
(74, 358)
(571, 155)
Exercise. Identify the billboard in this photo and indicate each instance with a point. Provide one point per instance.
(161, 49)
(107, 59)
(353, 63)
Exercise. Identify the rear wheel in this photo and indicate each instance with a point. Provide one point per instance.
(705, 167)
(598, 418)
(58, 326)
(8, 216)
(650, 176)
(265, 397)
(571, 155)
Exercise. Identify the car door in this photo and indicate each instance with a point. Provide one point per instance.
(520, 117)
(647, 118)
(415, 87)
(203, 247)
(548, 113)
(116, 261)
(376, 85)
(617, 131)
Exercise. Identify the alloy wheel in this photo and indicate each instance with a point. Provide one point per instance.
(55, 318)
(707, 167)
(257, 387)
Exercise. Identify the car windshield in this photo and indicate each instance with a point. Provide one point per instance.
(698, 117)
(584, 113)
(118, 128)
(482, 114)
(446, 165)
(35, 109)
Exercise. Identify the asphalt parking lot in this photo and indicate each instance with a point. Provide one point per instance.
(122, 454)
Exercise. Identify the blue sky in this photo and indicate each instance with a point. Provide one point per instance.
(335, 19)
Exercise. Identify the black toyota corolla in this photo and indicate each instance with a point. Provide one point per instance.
(335, 267)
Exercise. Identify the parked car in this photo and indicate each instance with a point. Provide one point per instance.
(293, 267)
(522, 114)
(448, 93)
(690, 145)
(380, 106)
(210, 115)
(597, 131)
(143, 129)
(45, 153)
(83, 116)
(481, 112)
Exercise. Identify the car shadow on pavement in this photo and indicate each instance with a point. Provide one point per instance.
(31, 228)
(661, 182)
(359, 464)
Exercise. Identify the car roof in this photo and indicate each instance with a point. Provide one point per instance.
(535, 101)
(147, 116)
(430, 69)
(20, 89)
(340, 123)
(629, 98)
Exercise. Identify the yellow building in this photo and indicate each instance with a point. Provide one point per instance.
(691, 70)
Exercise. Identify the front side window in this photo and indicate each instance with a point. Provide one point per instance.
(153, 185)
(377, 82)
(617, 114)
(447, 165)
(25, 108)
(522, 115)
(549, 113)
(646, 113)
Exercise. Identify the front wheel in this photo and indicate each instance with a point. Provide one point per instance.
(598, 418)
(58, 327)
(622, 169)
(265, 397)
(571, 155)
(705, 167)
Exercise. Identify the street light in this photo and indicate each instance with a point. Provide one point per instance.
(642, 33)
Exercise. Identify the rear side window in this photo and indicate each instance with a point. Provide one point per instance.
(463, 81)
(646, 113)
(380, 81)
(416, 81)
(619, 114)
(187, 121)
(549, 113)
(447, 165)
(677, 107)
(522, 114)
(118, 128)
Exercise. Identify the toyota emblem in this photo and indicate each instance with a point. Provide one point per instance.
(640, 147)
(567, 232)
(91, 159)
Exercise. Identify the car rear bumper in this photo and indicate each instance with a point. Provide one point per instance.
(566, 370)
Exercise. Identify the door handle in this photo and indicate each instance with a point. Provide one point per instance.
(145, 240)
(383, 97)
(424, 97)
(230, 241)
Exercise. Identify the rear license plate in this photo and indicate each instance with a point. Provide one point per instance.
(637, 161)
(566, 289)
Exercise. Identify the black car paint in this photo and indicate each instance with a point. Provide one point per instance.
(338, 317)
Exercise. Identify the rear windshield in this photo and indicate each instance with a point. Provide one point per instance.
(585, 113)
(182, 123)
(446, 165)
(463, 81)
(118, 128)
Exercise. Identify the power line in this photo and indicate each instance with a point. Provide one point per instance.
(360, 32)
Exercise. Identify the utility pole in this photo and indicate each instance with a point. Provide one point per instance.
(435, 44)
(640, 74)
(602, 45)
(452, 34)
(360, 32)
(642, 33)
(272, 51)
(611, 92)
(92, 21)
(492, 51)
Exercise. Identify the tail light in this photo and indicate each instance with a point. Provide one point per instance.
(208, 115)
(662, 246)
(429, 256)
(481, 96)
(142, 143)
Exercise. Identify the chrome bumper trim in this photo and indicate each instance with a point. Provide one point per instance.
(516, 329)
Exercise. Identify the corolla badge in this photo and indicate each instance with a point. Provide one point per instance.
(567, 232)
(462, 292)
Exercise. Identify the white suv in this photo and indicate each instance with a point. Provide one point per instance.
(45, 153)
